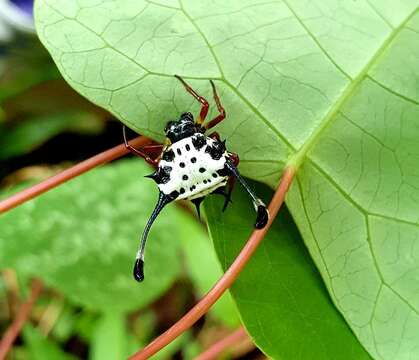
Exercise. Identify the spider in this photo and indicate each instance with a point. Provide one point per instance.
(191, 165)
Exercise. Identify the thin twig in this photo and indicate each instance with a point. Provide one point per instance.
(69, 173)
(12, 285)
(50, 315)
(24, 311)
(226, 344)
(225, 281)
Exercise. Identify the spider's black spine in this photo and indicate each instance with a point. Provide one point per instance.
(139, 262)
(262, 216)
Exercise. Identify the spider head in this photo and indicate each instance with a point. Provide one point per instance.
(184, 127)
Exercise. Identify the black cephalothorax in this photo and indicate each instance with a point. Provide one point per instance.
(192, 165)
(182, 128)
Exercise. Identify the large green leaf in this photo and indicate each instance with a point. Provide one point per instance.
(110, 338)
(39, 347)
(326, 84)
(280, 295)
(81, 238)
(15, 141)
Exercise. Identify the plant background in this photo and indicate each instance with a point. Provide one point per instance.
(331, 86)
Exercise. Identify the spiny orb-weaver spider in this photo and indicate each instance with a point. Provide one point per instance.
(191, 166)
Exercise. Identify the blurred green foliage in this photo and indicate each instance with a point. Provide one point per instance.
(81, 238)
(330, 84)
(14, 141)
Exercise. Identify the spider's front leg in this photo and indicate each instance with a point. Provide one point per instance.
(220, 108)
(144, 151)
(262, 216)
(203, 101)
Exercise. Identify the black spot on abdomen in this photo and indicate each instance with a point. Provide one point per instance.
(174, 194)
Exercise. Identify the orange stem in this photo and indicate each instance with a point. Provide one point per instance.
(69, 173)
(225, 281)
(22, 316)
(225, 344)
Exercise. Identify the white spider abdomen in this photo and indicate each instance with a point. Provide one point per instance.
(192, 167)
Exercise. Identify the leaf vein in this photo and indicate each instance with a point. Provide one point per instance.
(316, 41)
(395, 93)
(347, 93)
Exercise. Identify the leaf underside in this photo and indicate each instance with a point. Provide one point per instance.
(331, 85)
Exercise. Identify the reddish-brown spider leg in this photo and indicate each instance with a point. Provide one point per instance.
(143, 151)
(215, 135)
(234, 159)
(203, 101)
(220, 108)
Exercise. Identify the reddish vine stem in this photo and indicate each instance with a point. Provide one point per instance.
(69, 173)
(224, 345)
(24, 311)
(225, 281)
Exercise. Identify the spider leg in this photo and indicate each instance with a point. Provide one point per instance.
(260, 208)
(197, 202)
(226, 195)
(203, 101)
(234, 158)
(226, 192)
(230, 186)
(220, 108)
(138, 271)
(142, 152)
(215, 135)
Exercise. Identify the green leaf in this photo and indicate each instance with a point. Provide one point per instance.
(331, 86)
(30, 134)
(24, 67)
(81, 238)
(192, 350)
(110, 338)
(65, 323)
(280, 295)
(84, 325)
(40, 347)
(205, 270)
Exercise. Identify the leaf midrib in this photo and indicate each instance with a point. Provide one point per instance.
(298, 157)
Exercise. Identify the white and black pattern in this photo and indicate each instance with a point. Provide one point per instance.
(192, 167)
